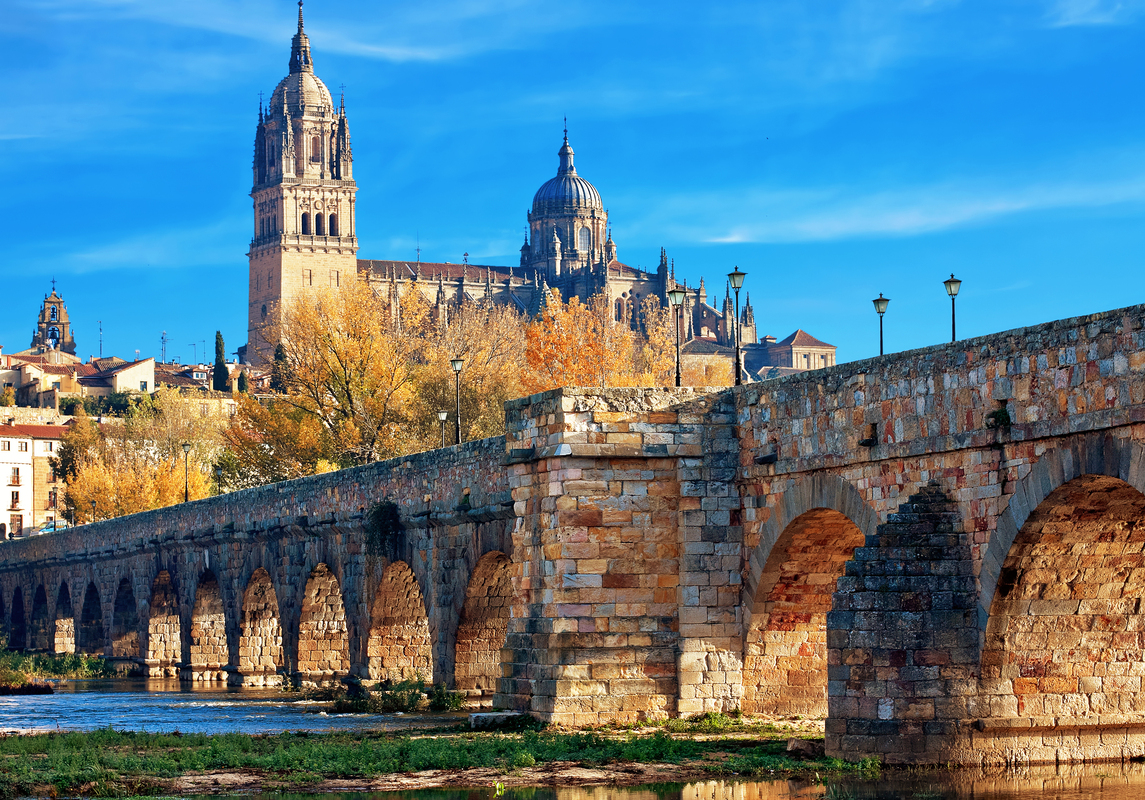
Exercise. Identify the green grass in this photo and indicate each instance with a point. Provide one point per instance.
(114, 763)
(42, 665)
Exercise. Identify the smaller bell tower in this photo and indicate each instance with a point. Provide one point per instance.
(53, 330)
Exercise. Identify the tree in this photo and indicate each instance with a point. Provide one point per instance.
(278, 370)
(8, 397)
(76, 444)
(271, 443)
(244, 385)
(222, 376)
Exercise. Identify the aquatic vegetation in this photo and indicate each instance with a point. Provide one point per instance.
(48, 665)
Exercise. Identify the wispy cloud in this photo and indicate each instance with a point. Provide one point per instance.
(210, 244)
(758, 215)
(1067, 13)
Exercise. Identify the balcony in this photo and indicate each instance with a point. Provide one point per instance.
(13, 480)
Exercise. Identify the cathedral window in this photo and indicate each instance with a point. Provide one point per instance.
(620, 311)
(585, 242)
(306, 223)
(264, 311)
(319, 225)
(333, 224)
(315, 149)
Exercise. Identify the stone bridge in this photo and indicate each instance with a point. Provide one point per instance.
(941, 551)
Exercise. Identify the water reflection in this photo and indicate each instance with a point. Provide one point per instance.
(167, 705)
(1103, 781)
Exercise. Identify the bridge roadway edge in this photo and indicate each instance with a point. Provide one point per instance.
(638, 523)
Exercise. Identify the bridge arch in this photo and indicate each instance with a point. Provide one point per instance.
(210, 654)
(399, 645)
(261, 653)
(125, 622)
(64, 626)
(803, 550)
(18, 632)
(1065, 633)
(323, 635)
(164, 629)
(1110, 456)
(90, 636)
(482, 627)
(39, 632)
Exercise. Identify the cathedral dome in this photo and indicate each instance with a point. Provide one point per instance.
(303, 88)
(567, 192)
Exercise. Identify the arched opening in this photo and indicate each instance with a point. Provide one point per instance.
(164, 629)
(785, 650)
(125, 623)
(484, 624)
(18, 632)
(399, 647)
(89, 633)
(64, 631)
(584, 244)
(40, 630)
(1067, 622)
(319, 225)
(305, 223)
(333, 224)
(209, 654)
(315, 149)
(620, 311)
(323, 646)
(260, 644)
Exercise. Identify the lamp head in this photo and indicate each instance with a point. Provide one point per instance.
(952, 285)
(456, 363)
(186, 447)
(881, 304)
(736, 278)
(676, 297)
(442, 416)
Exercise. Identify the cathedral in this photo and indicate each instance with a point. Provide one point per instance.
(304, 236)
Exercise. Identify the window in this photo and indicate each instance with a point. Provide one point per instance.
(53, 498)
(17, 525)
(143, 386)
(319, 225)
(585, 242)
(50, 446)
(315, 149)
(15, 501)
(333, 224)
(23, 448)
(307, 277)
(204, 410)
(264, 310)
(54, 314)
(54, 333)
(305, 223)
(14, 478)
(5, 445)
(334, 278)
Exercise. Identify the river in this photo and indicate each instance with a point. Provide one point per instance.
(158, 705)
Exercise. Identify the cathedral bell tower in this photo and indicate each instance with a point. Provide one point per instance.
(304, 235)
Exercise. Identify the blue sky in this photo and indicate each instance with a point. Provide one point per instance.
(831, 149)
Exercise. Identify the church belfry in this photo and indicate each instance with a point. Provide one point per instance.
(53, 329)
(304, 235)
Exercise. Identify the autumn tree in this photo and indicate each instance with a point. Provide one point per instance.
(273, 442)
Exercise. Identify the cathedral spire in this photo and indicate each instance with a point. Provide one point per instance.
(300, 60)
(566, 154)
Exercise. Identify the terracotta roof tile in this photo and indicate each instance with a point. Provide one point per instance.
(803, 339)
(39, 431)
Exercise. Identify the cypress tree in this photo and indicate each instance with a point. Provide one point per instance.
(278, 370)
(222, 375)
(243, 387)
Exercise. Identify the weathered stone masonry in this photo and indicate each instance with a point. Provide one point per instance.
(941, 550)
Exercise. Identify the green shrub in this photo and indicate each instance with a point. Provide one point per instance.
(441, 699)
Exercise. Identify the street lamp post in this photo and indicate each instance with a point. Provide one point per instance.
(736, 279)
(218, 479)
(881, 308)
(457, 363)
(676, 300)
(952, 285)
(186, 472)
(93, 511)
(442, 416)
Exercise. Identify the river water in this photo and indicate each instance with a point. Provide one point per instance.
(150, 705)
(157, 705)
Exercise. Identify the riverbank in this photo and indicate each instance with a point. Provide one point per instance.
(114, 763)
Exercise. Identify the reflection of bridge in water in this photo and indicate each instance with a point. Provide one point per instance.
(940, 550)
